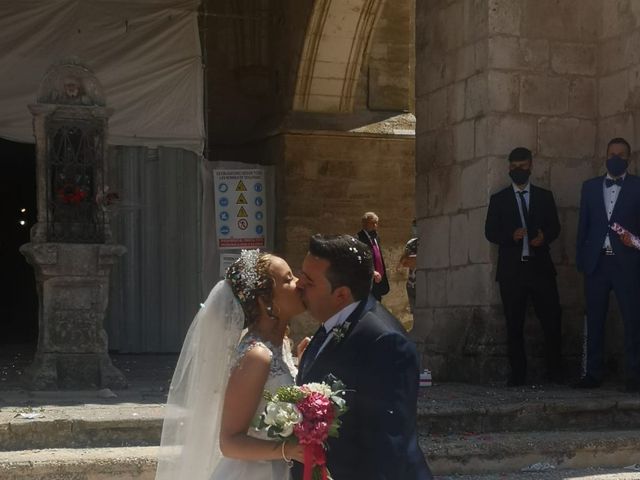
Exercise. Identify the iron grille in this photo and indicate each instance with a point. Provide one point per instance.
(74, 161)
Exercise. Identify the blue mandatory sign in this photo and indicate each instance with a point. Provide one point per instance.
(224, 216)
(259, 229)
(258, 201)
(257, 187)
(259, 215)
(224, 230)
(224, 201)
(223, 187)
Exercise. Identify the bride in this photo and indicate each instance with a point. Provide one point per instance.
(217, 387)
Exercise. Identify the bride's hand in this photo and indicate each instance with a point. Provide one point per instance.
(302, 346)
(294, 451)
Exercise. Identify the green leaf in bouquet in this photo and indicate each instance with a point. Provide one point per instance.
(334, 428)
(268, 396)
(340, 404)
(289, 394)
(258, 422)
(335, 383)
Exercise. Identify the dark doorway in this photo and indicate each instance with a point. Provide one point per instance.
(18, 298)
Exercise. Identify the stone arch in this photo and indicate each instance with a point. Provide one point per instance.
(336, 42)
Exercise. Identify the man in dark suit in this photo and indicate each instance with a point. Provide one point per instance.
(364, 346)
(369, 236)
(522, 220)
(609, 262)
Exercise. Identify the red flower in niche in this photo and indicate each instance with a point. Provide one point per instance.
(71, 194)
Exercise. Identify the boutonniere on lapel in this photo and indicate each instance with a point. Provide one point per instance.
(340, 332)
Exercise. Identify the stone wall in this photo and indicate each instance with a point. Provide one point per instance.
(618, 113)
(387, 78)
(557, 77)
(456, 314)
(327, 180)
(619, 75)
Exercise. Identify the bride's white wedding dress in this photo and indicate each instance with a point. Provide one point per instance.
(282, 373)
(189, 447)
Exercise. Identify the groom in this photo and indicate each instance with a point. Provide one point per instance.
(364, 346)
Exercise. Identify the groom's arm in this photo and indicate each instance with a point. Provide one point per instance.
(387, 401)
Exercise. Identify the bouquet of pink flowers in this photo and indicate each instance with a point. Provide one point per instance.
(311, 414)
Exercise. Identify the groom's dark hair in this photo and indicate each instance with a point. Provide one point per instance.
(350, 262)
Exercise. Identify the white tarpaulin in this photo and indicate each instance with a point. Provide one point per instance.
(145, 53)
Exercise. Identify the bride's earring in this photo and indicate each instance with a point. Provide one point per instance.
(270, 311)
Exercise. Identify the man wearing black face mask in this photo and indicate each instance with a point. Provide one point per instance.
(609, 262)
(522, 220)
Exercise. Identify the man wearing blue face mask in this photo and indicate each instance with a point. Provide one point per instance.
(522, 220)
(609, 262)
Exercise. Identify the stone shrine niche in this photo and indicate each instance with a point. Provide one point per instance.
(71, 249)
(71, 107)
(71, 83)
(74, 151)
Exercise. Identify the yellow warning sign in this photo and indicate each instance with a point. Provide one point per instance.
(242, 213)
(241, 187)
(241, 200)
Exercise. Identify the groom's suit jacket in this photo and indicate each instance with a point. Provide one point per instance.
(379, 366)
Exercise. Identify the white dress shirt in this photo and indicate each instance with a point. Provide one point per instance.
(527, 190)
(335, 321)
(610, 198)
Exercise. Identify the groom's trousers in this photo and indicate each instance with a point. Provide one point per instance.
(611, 273)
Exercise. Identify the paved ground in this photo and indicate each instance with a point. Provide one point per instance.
(588, 474)
(149, 377)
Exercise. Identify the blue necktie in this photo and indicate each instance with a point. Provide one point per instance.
(523, 204)
(313, 348)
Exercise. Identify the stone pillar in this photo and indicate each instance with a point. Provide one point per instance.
(73, 286)
(493, 75)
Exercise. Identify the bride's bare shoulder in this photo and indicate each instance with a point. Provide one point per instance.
(252, 353)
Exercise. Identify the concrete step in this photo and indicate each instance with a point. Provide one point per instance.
(534, 456)
(630, 473)
(132, 463)
(478, 409)
(512, 452)
(469, 409)
(83, 426)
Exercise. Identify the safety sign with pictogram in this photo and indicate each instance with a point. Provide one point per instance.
(241, 208)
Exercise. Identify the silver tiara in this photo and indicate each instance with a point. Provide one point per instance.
(243, 275)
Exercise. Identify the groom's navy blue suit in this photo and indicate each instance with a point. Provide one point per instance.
(619, 272)
(379, 365)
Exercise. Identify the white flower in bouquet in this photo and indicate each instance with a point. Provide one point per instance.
(321, 388)
(283, 416)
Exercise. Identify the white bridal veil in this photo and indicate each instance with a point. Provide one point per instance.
(189, 447)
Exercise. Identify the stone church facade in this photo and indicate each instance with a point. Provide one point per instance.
(482, 77)
(559, 77)
(407, 108)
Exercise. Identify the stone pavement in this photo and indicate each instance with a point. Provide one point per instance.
(484, 432)
(582, 474)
